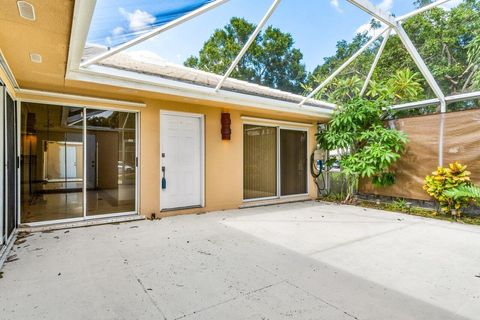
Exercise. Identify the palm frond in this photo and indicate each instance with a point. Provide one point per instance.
(464, 192)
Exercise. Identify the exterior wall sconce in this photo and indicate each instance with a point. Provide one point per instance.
(226, 122)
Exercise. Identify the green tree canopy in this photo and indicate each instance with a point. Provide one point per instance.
(271, 60)
(448, 41)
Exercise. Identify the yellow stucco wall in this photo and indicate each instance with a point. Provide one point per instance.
(49, 36)
(223, 159)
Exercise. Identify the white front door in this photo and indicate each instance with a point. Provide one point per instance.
(181, 160)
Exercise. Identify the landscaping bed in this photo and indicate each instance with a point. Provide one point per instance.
(402, 206)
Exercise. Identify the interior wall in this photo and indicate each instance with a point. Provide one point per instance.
(107, 155)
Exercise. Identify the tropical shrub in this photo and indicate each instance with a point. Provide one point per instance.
(404, 85)
(367, 148)
(469, 192)
(443, 179)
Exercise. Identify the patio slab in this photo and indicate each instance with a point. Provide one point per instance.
(294, 261)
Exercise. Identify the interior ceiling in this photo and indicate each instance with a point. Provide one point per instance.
(49, 36)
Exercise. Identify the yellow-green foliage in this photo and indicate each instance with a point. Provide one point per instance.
(455, 175)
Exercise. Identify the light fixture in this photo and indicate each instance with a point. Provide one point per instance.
(36, 57)
(226, 131)
(26, 10)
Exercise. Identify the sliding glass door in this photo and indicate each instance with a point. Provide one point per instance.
(3, 216)
(70, 163)
(111, 161)
(293, 162)
(8, 163)
(259, 162)
(52, 163)
(274, 162)
(11, 165)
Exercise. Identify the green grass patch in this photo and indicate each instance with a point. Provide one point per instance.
(400, 206)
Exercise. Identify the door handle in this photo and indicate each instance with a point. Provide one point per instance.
(164, 181)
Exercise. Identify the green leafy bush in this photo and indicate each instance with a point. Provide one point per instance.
(367, 148)
(444, 179)
(469, 192)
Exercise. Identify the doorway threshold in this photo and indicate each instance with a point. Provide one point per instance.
(269, 202)
(6, 248)
(80, 224)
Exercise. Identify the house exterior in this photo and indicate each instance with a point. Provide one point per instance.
(127, 137)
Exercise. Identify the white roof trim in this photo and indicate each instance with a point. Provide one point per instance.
(134, 80)
(57, 95)
(255, 120)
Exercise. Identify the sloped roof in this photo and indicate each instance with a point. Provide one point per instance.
(154, 67)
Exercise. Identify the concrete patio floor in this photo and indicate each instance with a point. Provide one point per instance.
(295, 261)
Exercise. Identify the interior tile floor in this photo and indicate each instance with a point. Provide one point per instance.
(57, 206)
(294, 261)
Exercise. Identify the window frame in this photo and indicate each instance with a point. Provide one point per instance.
(279, 125)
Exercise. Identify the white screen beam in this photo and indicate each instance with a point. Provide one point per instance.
(421, 65)
(375, 62)
(422, 9)
(342, 67)
(249, 42)
(375, 12)
(154, 32)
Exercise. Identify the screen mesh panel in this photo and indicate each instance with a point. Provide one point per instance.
(461, 143)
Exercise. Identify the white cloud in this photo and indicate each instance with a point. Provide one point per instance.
(118, 31)
(138, 19)
(367, 27)
(451, 4)
(386, 5)
(336, 5)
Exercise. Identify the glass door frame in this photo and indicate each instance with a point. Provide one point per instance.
(3, 223)
(278, 125)
(5, 190)
(307, 158)
(85, 217)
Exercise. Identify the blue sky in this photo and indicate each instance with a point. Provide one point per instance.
(316, 25)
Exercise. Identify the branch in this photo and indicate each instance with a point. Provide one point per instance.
(469, 79)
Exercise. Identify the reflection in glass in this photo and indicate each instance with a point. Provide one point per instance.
(111, 161)
(51, 163)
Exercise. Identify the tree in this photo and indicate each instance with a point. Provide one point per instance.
(421, 3)
(444, 38)
(367, 148)
(271, 60)
(344, 50)
(474, 59)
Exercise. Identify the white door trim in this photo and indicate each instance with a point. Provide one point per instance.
(201, 117)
